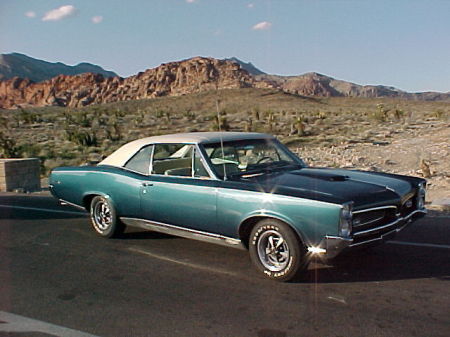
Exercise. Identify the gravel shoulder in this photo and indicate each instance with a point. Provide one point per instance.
(417, 149)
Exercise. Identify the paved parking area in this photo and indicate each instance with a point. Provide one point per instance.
(56, 274)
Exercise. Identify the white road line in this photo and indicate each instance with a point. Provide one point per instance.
(43, 209)
(183, 263)
(16, 323)
(418, 244)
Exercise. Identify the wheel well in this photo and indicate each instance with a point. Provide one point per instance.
(87, 200)
(246, 228)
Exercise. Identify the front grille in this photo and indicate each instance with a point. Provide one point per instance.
(373, 223)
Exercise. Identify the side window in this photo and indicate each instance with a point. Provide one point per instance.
(140, 162)
(199, 168)
(173, 160)
(177, 160)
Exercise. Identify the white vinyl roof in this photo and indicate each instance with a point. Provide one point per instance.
(124, 153)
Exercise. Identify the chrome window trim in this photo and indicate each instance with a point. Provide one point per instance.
(206, 164)
(150, 166)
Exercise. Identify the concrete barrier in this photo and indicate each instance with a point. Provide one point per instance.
(21, 174)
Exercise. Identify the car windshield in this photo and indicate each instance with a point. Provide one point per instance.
(250, 157)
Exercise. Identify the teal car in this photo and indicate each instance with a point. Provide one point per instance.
(243, 190)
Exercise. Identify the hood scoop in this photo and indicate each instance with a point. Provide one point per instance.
(322, 175)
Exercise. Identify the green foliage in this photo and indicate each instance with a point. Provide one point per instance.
(27, 117)
(440, 114)
(221, 123)
(324, 121)
(113, 132)
(82, 137)
(8, 147)
(381, 113)
(398, 114)
(256, 113)
(249, 125)
(30, 150)
(298, 126)
(4, 123)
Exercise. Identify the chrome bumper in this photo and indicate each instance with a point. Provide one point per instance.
(331, 246)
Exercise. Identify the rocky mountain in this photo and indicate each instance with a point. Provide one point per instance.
(23, 66)
(169, 79)
(314, 84)
(252, 70)
(180, 78)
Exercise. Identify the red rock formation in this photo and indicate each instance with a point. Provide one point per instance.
(170, 79)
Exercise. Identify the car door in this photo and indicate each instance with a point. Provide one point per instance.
(179, 190)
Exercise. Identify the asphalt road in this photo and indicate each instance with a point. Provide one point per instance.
(57, 278)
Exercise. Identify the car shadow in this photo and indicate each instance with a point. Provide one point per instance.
(389, 261)
(138, 234)
(381, 264)
(29, 207)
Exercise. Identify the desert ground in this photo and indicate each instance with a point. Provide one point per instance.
(382, 134)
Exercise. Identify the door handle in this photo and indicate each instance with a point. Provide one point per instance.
(145, 184)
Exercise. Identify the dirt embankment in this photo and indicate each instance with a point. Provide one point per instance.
(422, 150)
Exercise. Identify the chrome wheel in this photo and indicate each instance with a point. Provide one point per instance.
(273, 251)
(101, 215)
(104, 217)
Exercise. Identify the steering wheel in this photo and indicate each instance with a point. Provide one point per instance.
(263, 159)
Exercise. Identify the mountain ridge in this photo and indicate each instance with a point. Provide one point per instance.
(181, 78)
(169, 79)
(23, 66)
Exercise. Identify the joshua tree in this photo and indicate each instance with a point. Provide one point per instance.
(249, 125)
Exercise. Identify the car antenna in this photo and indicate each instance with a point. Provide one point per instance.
(221, 140)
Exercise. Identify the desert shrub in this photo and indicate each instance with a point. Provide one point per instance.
(113, 132)
(4, 124)
(82, 137)
(8, 147)
(298, 125)
(28, 117)
(381, 113)
(248, 125)
(220, 123)
(82, 119)
(440, 114)
(398, 114)
(30, 150)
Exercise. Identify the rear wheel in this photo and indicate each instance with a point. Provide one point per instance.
(104, 218)
(276, 250)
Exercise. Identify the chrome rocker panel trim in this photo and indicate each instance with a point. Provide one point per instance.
(183, 232)
(336, 244)
(65, 203)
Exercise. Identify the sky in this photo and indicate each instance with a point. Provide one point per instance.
(400, 43)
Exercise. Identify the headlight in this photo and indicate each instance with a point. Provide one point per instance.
(421, 196)
(345, 223)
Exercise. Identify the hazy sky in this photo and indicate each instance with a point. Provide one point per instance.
(403, 43)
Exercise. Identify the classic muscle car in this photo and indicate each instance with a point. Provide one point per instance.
(244, 190)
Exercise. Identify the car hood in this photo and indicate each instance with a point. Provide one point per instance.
(364, 189)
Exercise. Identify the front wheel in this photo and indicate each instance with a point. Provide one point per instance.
(276, 250)
(104, 218)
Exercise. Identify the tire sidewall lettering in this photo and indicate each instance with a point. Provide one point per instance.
(254, 241)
